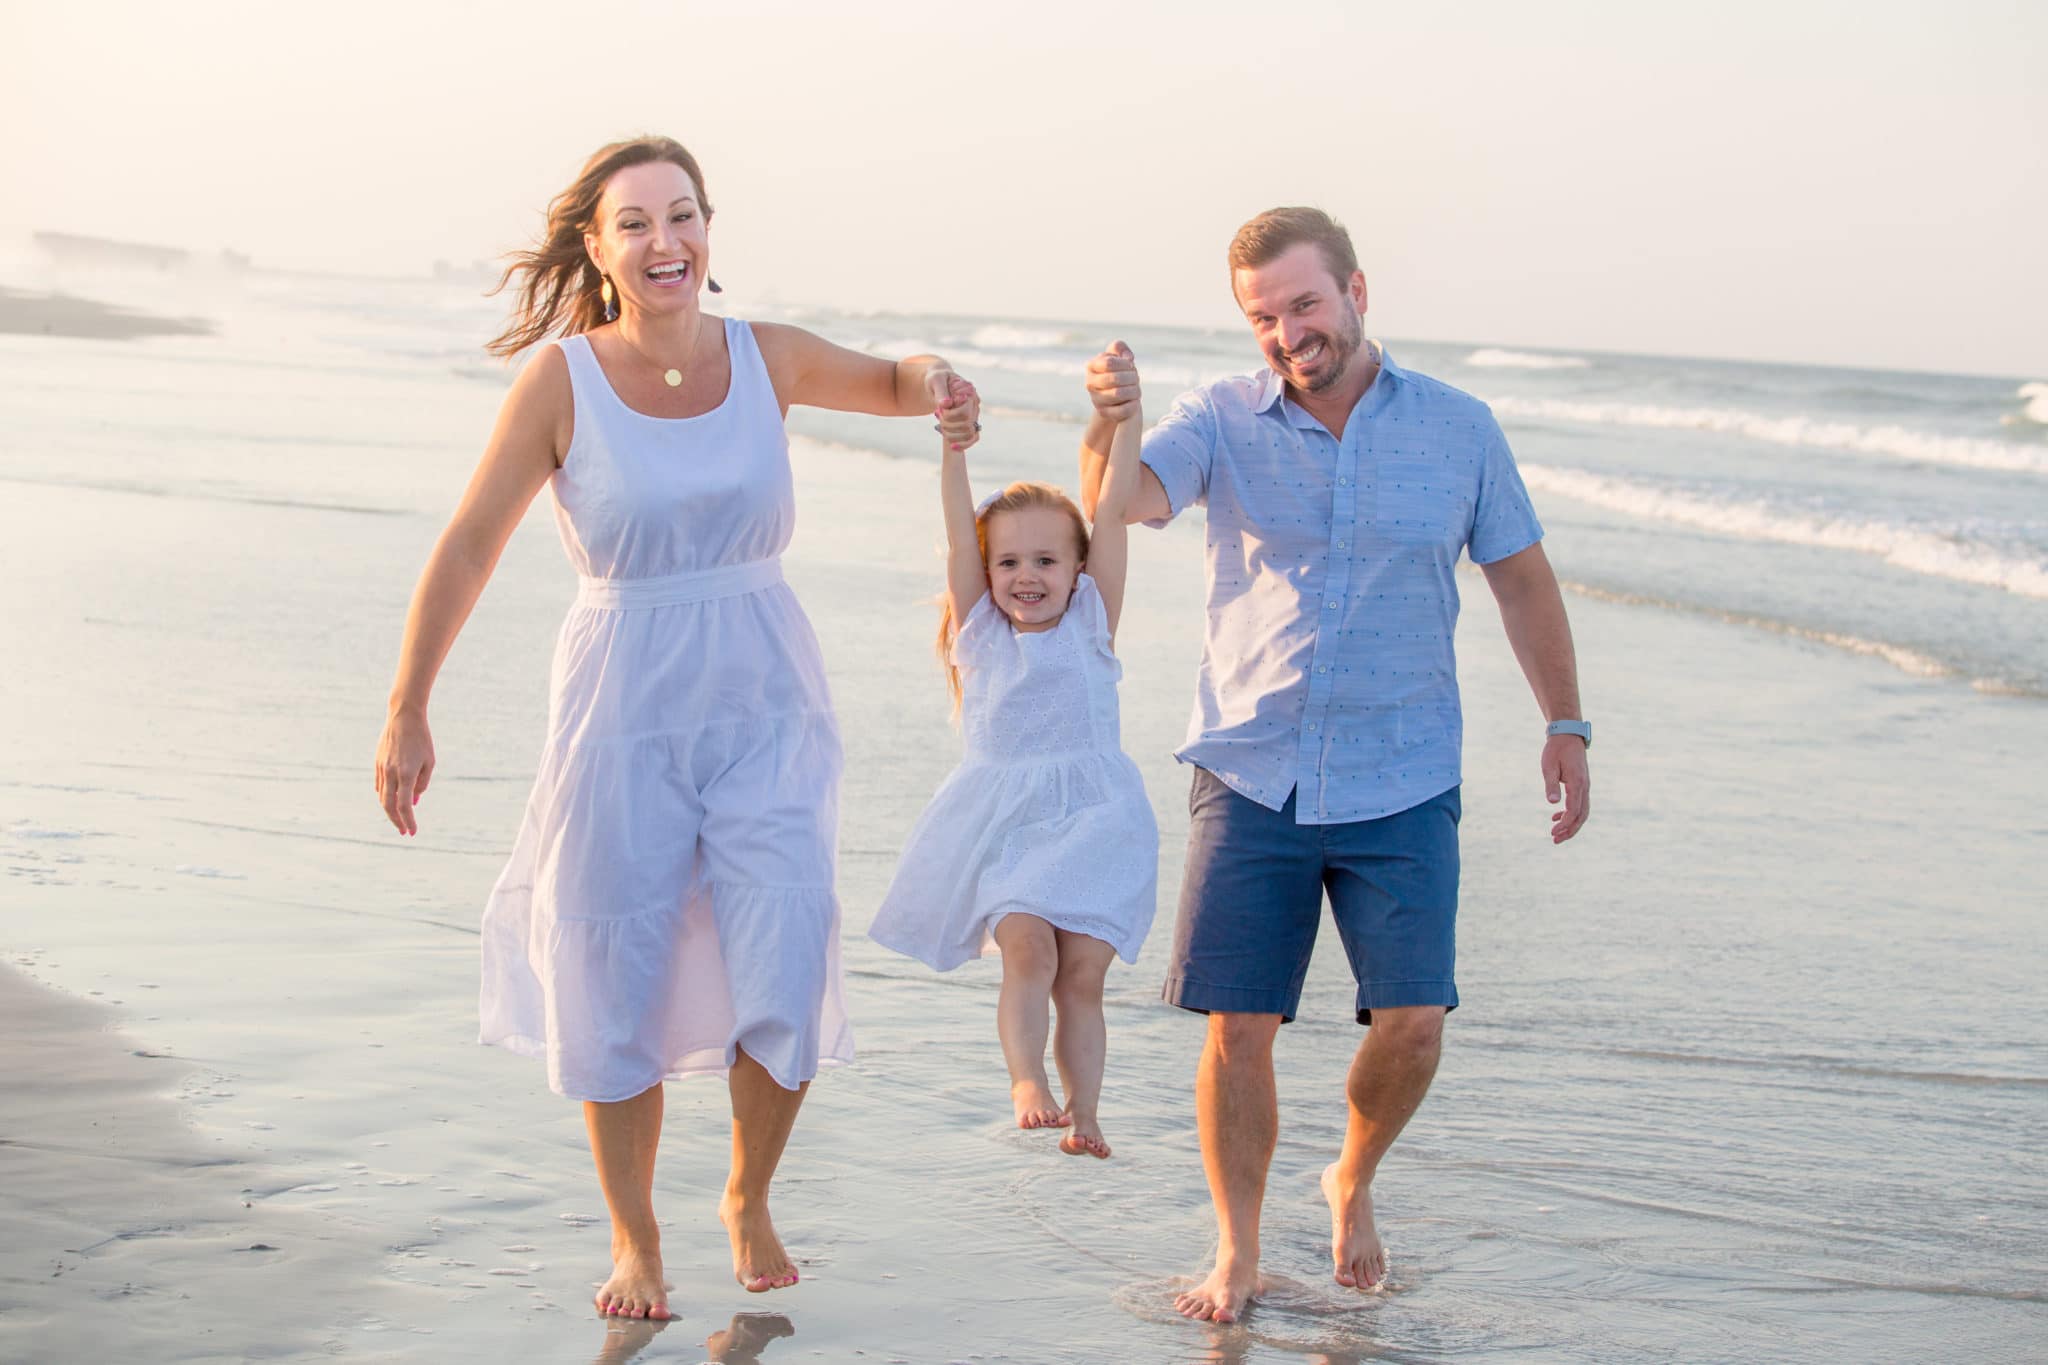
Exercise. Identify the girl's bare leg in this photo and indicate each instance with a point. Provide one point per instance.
(1031, 958)
(762, 1115)
(1080, 1042)
(623, 1137)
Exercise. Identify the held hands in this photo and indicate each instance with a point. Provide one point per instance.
(956, 405)
(1564, 765)
(1113, 382)
(405, 760)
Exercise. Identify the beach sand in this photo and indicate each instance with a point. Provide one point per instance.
(64, 315)
(129, 1236)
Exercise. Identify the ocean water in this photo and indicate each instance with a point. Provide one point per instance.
(1754, 1069)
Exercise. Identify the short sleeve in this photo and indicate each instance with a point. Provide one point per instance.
(980, 634)
(1087, 616)
(1503, 519)
(1180, 450)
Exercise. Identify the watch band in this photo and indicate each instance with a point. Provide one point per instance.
(1571, 727)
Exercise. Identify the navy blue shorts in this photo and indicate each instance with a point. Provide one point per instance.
(1252, 899)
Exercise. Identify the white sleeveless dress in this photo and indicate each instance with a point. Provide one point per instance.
(670, 895)
(1046, 815)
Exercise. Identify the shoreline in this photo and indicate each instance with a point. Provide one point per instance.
(116, 1210)
(68, 315)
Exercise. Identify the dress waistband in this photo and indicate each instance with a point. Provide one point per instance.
(702, 585)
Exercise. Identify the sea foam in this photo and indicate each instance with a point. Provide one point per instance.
(1001, 335)
(2036, 408)
(1495, 358)
(1893, 442)
(1917, 550)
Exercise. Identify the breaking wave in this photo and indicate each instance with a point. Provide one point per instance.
(1904, 547)
(1894, 442)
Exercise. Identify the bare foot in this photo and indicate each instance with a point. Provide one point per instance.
(1086, 1139)
(636, 1289)
(1354, 1243)
(1035, 1106)
(758, 1261)
(1225, 1295)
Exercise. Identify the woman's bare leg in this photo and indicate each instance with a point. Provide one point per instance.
(623, 1138)
(1031, 958)
(762, 1115)
(1080, 1041)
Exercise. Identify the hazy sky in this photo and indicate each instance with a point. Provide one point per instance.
(1849, 183)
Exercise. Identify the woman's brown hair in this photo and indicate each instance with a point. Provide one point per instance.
(1015, 498)
(558, 282)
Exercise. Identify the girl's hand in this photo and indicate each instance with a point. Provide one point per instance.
(1113, 382)
(405, 760)
(957, 406)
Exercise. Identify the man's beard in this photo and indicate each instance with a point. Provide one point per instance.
(1337, 352)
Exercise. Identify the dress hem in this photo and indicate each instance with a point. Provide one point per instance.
(525, 1046)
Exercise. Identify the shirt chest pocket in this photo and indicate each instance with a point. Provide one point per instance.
(1417, 502)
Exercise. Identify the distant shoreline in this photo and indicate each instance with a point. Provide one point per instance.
(66, 315)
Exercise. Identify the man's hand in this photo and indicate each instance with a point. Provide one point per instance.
(1113, 382)
(1565, 766)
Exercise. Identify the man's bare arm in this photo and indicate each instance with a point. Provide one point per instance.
(1532, 611)
(1114, 391)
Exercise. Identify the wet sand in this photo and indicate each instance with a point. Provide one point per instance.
(128, 1238)
(64, 315)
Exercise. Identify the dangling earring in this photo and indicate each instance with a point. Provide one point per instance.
(604, 291)
(711, 283)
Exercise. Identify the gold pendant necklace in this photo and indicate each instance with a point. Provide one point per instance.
(671, 377)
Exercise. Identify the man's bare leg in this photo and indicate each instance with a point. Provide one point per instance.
(1390, 1074)
(1031, 959)
(762, 1115)
(1238, 1116)
(623, 1138)
(1080, 1042)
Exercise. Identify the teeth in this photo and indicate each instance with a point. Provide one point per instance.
(666, 272)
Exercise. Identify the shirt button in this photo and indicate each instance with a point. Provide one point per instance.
(1343, 544)
(1311, 727)
(1322, 668)
(1330, 606)
(1343, 482)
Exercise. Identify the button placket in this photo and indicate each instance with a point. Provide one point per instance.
(1336, 585)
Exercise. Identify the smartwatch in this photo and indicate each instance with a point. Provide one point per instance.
(1571, 727)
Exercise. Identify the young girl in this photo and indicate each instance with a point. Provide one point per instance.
(1042, 841)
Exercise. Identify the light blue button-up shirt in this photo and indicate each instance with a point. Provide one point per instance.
(1327, 664)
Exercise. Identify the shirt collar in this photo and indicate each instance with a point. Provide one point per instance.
(1272, 388)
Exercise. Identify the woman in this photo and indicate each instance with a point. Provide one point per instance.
(668, 908)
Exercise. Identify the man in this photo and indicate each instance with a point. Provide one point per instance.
(1341, 490)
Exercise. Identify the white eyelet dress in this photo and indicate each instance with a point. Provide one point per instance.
(1046, 815)
(670, 896)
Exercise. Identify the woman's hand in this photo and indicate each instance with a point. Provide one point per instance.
(405, 760)
(957, 406)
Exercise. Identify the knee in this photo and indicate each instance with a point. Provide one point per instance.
(1415, 1033)
(1077, 986)
(1243, 1037)
(1027, 959)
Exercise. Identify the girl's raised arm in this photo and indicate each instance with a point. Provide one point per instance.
(966, 574)
(1109, 539)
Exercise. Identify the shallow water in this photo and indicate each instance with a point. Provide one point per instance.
(1756, 1068)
